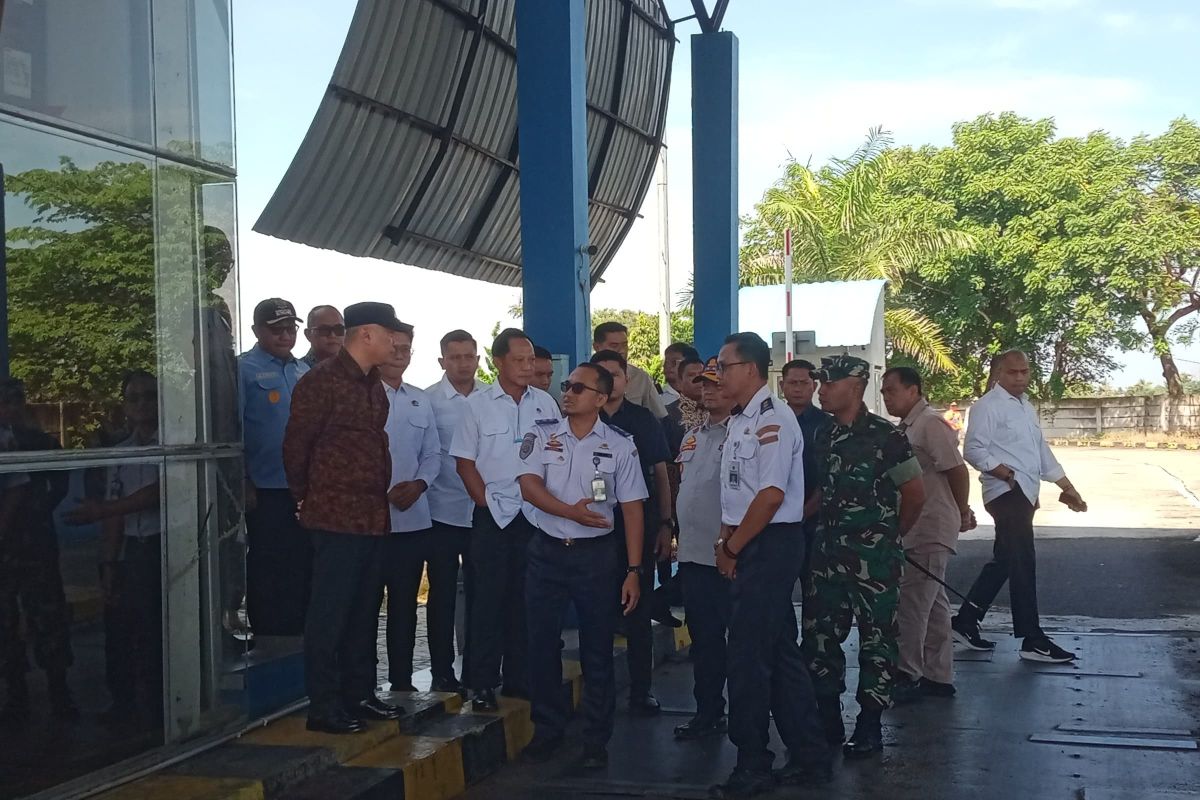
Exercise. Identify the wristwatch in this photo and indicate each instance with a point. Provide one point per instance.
(633, 569)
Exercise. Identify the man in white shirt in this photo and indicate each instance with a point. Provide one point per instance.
(449, 504)
(1005, 444)
(416, 459)
(486, 447)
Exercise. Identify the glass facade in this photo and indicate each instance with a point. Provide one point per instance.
(121, 534)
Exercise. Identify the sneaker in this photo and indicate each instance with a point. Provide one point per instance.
(936, 689)
(1041, 649)
(966, 633)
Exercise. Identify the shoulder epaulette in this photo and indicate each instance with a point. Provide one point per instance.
(621, 431)
(767, 405)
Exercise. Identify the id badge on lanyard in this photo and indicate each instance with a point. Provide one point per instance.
(735, 475)
(599, 489)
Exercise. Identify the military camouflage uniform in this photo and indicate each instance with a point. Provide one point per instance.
(858, 558)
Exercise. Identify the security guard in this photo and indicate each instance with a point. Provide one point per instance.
(574, 472)
(278, 556)
(760, 550)
(871, 495)
(486, 447)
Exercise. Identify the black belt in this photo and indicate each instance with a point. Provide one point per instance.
(586, 542)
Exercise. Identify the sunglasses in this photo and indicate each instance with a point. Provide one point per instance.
(574, 387)
(328, 330)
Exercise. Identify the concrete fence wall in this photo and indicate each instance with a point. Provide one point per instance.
(1094, 416)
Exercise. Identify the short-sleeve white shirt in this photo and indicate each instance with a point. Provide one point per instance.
(449, 502)
(415, 450)
(568, 465)
(763, 449)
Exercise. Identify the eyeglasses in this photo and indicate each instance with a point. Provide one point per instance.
(722, 367)
(327, 330)
(574, 387)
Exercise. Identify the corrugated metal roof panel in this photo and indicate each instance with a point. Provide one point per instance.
(412, 153)
(842, 313)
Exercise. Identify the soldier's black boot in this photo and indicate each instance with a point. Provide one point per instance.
(868, 735)
(62, 705)
(16, 706)
(830, 708)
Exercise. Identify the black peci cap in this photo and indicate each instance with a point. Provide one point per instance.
(375, 314)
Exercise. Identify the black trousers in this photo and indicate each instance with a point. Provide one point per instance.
(639, 634)
(279, 564)
(767, 674)
(405, 556)
(497, 641)
(1014, 561)
(133, 626)
(583, 574)
(343, 620)
(706, 603)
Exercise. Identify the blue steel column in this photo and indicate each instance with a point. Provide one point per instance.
(551, 113)
(714, 187)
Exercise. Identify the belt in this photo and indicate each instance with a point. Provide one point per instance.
(585, 542)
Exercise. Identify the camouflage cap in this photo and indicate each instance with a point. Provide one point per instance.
(843, 366)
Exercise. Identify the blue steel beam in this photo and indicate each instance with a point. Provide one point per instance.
(714, 187)
(552, 120)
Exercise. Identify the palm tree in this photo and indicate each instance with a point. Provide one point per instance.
(846, 226)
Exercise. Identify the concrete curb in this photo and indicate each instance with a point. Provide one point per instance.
(438, 749)
(1103, 444)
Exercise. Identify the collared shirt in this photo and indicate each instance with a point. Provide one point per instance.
(125, 479)
(764, 449)
(863, 465)
(1003, 429)
(490, 434)
(415, 449)
(699, 503)
(265, 402)
(813, 423)
(641, 390)
(668, 394)
(651, 442)
(309, 358)
(335, 450)
(935, 443)
(449, 502)
(568, 465)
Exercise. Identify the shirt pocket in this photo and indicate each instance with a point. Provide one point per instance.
(607, 469)
(269, 389)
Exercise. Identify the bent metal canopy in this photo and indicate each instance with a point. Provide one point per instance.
(412, 156)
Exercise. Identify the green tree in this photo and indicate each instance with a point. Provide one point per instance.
(81, 298)
(847, 226)
(1038, 209)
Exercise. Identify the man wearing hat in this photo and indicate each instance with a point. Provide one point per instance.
(705, 592)
(278, 557)
(338, 466)
(870, 495)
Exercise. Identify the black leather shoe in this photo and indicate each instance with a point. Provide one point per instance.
(540, 751)
(868, 736)
(334, 724)
(935, 689)
(799, 773)
(663, 616)
(906, 691)
(743, 783)
(485, 700)
(645, 704)
(699, 727)
(830, 708)
(593, 758)
(449, 685)
(374, 708)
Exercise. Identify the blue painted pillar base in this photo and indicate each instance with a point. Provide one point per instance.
(714, 187)
(552, 119)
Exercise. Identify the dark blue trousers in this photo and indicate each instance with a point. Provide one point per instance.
(583, 573)
(767, 673)
(706, 603)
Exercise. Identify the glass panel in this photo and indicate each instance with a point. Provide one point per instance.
(81, 599)
(86, 63)
(194, 79)
(80, 280)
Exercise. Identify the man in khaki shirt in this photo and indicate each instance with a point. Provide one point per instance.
(640, 389)
(926, 643)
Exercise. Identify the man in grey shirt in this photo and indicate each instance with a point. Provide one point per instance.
(705, 591)
(640, 389)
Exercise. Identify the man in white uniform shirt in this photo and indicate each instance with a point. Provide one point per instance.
(761, 549)
(486, 447)
(575, 472)
(1005, 443)
(416, 459)
(449, 504)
